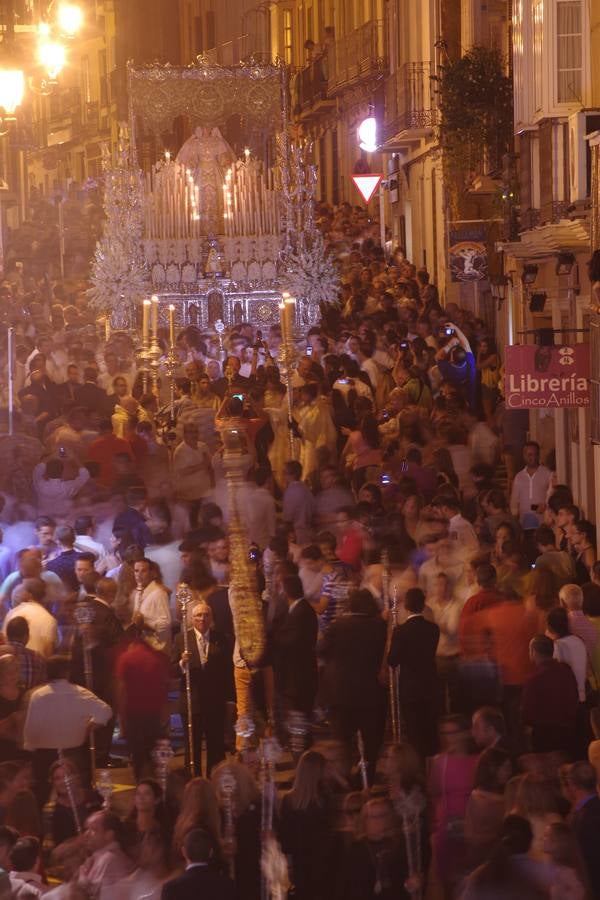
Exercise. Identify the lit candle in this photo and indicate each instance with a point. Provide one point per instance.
(290, 310)
(247, 152)
(107, 328)
(172, 325)
(145, 321)
(282, 321)
(155, 317)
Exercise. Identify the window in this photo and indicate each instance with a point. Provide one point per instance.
(86, 90)
(102, 68)
(310, 24)
(569, 50)
(198, 43)
(335, 168)
(287, 36)
(211, 35)
(538, 44)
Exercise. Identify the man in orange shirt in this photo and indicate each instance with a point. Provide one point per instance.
(510, 628)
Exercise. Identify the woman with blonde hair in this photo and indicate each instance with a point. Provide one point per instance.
(243, 846)
(304, 829)
(199, 809)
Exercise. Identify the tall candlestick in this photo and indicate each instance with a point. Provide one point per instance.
(154, 317)
(145, 321)
(172, 325)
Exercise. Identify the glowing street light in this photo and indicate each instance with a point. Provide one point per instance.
(52, 57)
(367, 135)
(69, 18)
(12, 89)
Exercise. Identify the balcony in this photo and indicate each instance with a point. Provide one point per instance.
(310, 88)
(357, 56)
(410, 108)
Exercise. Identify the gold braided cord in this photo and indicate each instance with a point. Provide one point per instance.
(243, 588)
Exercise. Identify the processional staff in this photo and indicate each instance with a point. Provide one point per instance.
(84, 616)
(393, 673)
(184, 597)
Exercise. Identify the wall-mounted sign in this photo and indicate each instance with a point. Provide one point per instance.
(538, 377)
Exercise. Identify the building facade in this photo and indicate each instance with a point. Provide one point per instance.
(556, 109)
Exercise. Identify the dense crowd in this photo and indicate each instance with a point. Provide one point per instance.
(430, 595)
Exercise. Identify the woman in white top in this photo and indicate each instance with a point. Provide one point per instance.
(568, 647)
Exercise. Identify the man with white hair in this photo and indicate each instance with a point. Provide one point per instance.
(571, 597)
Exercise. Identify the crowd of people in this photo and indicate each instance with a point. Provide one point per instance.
(430, 599)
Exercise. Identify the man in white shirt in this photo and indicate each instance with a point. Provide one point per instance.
(367, 363)
(259, 510)
(530, 489)
(528, 496)
(193, 475)
(84, 540)
(460, 529)
(58, 717)
(27, 602)
(151, 605)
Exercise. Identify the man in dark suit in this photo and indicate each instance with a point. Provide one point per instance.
(89, 395)
(413, 648)
(67, 392)
(585, 818)
(211, 675)
(352, 648)
(295, 649)
(199, 880)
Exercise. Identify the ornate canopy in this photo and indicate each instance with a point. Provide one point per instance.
(208, 94)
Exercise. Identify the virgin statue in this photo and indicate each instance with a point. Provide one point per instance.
(208, 156)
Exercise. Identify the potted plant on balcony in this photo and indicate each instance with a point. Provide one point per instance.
(475, 99)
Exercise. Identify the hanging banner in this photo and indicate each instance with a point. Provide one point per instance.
(467, 253)
(546, 377)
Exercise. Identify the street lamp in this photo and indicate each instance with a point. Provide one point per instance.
(564, 262)
(69, 18)
(530, 272)
(51, 56)
(66, 18)
(12, 90)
